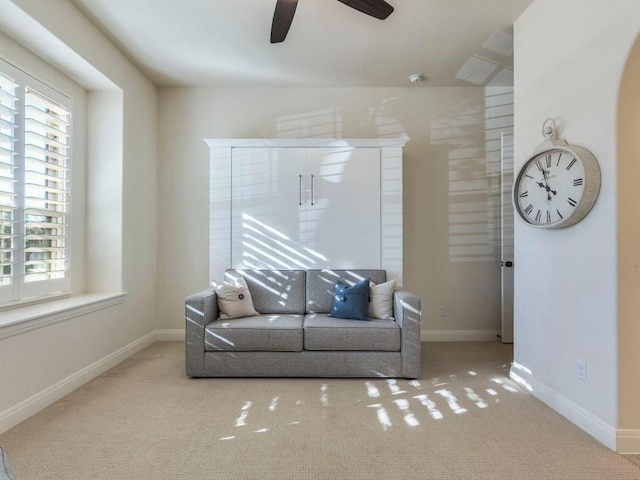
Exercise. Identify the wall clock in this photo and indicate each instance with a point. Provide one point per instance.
(558, 185)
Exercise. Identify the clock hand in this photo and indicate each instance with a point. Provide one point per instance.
(547, 188)
(546, 185)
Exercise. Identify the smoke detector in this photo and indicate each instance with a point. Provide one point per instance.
(416, 78)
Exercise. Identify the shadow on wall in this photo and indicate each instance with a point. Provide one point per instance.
(476, 140)
(475, 166)
(328, 122)
(475, 175)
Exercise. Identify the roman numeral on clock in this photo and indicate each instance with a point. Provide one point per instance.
(572, 202)
(578, 181)
(524, 194)
(559, 157)
(571, 164)
(548, 158)
(548, 216)
(529, 209)
(538, 215)
(559, 214)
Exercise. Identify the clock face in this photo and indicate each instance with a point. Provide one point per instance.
(550, 188)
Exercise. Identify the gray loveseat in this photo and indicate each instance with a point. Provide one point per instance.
(294, 337)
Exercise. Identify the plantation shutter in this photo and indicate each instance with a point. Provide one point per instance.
(8, 200)
(35, 133)
(46, 193)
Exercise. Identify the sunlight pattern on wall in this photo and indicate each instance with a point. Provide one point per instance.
(475, 175)
(326, 122)
(378, 120)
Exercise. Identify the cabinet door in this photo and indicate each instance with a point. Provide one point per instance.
(305, 208)
(266, 193)
(341, 226)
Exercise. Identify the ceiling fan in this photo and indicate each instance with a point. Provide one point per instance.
(285, 9)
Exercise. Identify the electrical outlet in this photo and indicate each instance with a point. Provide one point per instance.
(441, 311)
(581, 370)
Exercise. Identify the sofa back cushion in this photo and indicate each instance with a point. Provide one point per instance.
(320, 285)
(274, 291)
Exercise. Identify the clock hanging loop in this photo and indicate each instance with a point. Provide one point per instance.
(549, 128)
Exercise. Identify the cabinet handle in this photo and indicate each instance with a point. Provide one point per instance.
(299, 189)
(313, 201)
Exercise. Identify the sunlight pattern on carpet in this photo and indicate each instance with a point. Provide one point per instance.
(397, 402)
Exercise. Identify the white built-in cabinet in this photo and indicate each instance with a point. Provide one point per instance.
(305, 207)
(306, 203)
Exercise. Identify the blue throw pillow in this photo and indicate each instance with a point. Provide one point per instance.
(351, 301)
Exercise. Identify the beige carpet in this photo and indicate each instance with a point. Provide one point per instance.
(464, 419)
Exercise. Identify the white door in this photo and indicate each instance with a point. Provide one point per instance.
(265, 208)
(305, 208)
(506, 257)
(342, 224)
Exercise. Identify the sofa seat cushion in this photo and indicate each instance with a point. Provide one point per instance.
(322, 332)
(273, 333)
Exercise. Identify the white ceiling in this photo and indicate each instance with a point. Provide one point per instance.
(226, 42)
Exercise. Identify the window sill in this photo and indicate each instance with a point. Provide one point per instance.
(23, 319)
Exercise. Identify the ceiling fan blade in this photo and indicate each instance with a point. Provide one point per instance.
(282, 18)
(376, 8)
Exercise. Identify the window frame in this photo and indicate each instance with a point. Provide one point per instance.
(19, 292)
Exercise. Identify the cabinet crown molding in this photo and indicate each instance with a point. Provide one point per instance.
(306, 142)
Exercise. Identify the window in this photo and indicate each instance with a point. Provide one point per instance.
(35, 134)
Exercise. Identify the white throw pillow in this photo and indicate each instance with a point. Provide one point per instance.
(381, 299)
(234, 300)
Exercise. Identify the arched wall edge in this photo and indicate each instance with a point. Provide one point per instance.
(628, 254)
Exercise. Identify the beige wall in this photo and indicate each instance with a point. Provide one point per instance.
(629, 253)
(42, 364)
(450, 238)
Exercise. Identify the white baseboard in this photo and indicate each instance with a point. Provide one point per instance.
(32, 405)
(628, 442)
(594, 426)
(459, 336)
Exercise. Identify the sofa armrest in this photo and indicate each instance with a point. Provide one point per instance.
(200, 309)
(407, 310)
